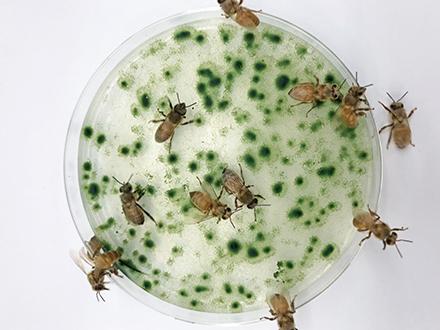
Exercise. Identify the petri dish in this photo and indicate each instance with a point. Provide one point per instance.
(313, 172)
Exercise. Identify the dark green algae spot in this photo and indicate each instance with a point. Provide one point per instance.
(201, 288)
(108, 224)
(249, 136)
(100, 139)
(182, 35)
(264, 152)
(326, 171)
(273, 37)
(87, 166)
(282, 82)
(173, 158)
(88, 132)
(193, 166)
(147, 285)
(93, 190)
(252, 252)
(250, 160)
(234, 246)
(295, 213)
(328, 250)
(249, 39)
(278, 188)
(260, 66)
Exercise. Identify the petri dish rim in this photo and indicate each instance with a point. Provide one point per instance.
(71, 166)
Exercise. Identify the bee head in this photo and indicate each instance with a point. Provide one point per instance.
(227, 213)
(391, 239)
(252, 204)
(336, 94)
(180, 108)
(396, 105)
(126, 188)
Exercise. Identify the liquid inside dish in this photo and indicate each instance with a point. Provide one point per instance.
(312, 170)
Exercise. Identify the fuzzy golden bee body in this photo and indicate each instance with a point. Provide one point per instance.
(240, 14)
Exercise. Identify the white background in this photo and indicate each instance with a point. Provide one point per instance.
(48, 51)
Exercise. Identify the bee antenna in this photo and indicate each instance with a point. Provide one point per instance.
(405, 240)
(178, 98)
(403, 96)
(343, 83)
(262, 205)
(400, 253)
(357, 82)
(230, 220)
(117, 180)
(189, 106)
(392, 98)
(369, 85)
(129, 178)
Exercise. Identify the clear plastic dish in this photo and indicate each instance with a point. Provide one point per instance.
(98, 86)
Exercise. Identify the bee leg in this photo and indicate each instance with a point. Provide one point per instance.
(241, 173)
(384, 245)
(146, 212)
(373, 213)
(157, 121)
(298, 104)
(169, 103)
(252, 10)
(259, 196)
(310, 110)
(161, 112)
(412, 112)
(317, 80)
(389, 138)
(230, 220)
(221, 193)
(385, 127)
(187, 123)
(268, 318)
(171, 143)
(140, 193)
(255, 214)
(365, 238)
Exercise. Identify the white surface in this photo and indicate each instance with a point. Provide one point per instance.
(48, 51)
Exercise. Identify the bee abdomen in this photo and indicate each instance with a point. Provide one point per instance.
(164, 132)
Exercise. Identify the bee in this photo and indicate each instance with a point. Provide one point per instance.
(242, 15)
(209, 204)
(370, 221)
(133, 211)
(102, 264)
(94, 247)
(282, 311)
(316, 94)
(400, 130)
(174, 118)
(350, 111)
(234, 185)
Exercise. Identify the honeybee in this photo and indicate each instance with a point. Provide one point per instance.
(102, 264)
(282, 311)
(310, 93)
(133, 211)
(400, 130)
(174, 118)
(350, 112)
(209, 204)
(370, 221)
(234, 185)
(242, 15)
(94, 246)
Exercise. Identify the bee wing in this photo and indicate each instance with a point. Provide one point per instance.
(209, 190)
(84, 255)
(77, 260)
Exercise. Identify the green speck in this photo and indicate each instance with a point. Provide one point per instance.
(301, 51)
(329, 78)
(142, 259)
(156, 272)
(87, 166)
(201, 288)
(193, 166)
(209, 178)
(101, 139)
(211, 156)
(147, 285)
(250, 136)
(88, 132)
(283, 63)
(299, 181)
(108, 224)
(272, 37)
(215, 82)
(183, 293)
(149, 243)
(209, 236)
(327, 171)
(208, 101)
(252, 252)
(331, 114)
(105, 179)
(194, 303)
(234, 246)
(264, 152)
(278, 188)
(227, 287)
(267, 249)
(200, 38)
(313, 240)
(295, 213)
(132, 232)
(282, 82)
(252, 93)
(124, 150)
(249, 39)
(93, 190)
(145, 100)
(363, 155)
(173, 158)
(206, 276)
(151, 190)
(201, 88)
(222, 105)
(235, 305)
(250, 160)
(316, 126)
(327, 250)
(260, 66)
(289, 264)
(241, 289)
(182, 35)
(238, 66)
(256, 79)
(260, 237)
